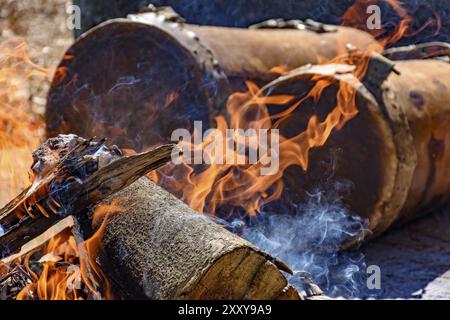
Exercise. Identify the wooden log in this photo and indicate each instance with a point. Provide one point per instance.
(159, 248)
(394, 153)
(152, 63)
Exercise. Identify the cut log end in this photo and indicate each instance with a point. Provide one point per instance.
(240, 274)
(159, 248)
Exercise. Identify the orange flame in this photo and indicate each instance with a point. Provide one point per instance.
(56, 276)
(243, 186)
(357, 16)
(68, 269)
(21, 129)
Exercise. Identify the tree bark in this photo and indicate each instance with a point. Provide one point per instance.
(159, 248)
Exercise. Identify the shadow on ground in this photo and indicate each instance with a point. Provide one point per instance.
(414, 260)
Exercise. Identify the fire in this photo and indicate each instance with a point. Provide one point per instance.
(53, 281)
(210, 188)
(65, 268)
(220, 184)
(68, 267)
(21, 129)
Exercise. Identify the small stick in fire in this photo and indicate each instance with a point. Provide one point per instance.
(87, 173)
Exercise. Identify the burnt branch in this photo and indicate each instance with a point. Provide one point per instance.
(86, 174)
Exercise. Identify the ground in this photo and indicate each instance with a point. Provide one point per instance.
(414, 259)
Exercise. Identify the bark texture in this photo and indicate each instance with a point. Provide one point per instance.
(69, 180)
(159, 248)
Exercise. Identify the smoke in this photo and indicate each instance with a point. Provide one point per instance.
(309, 241)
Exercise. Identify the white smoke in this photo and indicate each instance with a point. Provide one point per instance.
(309, 241)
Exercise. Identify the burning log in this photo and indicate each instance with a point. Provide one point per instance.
(382, 136)
(157, 247)
(395, 150)
(153, 62)
(61, 226)
(15, 275)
